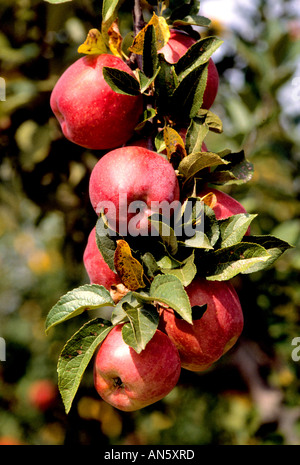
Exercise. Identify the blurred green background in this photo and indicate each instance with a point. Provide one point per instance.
(251, 396)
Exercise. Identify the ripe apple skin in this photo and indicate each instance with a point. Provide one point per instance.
(225, 205)
(176, 47)
(90, 113)
(203, 343)
(130, 381)
(137, 175)
(95, 265)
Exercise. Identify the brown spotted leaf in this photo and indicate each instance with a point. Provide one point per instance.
(174, 143)
(94, 44)
(115, 39)
(128, 268)
(162, 33)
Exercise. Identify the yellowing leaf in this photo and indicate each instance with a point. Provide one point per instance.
(94, 44)
(174, 143)
(162, 32)
(115, 39)
(128, 268)
(209, 199)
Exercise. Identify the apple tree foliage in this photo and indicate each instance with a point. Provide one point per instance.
(173, 96)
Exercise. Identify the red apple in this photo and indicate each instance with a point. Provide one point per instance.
(90, 113)
(208, 338)
(130, 381)
(176, 47)
(129, 184)
(225, 205)
(95, 265)
(42, 394)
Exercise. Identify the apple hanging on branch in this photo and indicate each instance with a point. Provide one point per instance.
(167, 240)
(90, 113)
(131, 381)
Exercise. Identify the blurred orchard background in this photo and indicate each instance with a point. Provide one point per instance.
(251, 396)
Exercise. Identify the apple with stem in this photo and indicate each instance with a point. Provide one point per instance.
(90, 113)
(131, 183)
(202, 343)
(129, 380)
(176, 47)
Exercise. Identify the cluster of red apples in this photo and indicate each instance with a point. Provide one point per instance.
(94, 116)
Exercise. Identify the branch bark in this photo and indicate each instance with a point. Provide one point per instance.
(138, 24)
(138, 18)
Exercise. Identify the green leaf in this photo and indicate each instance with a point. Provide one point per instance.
(210, 119)
(186, 272)
(187, 98)
(148, 114)
(109, 9)
(195, 136)
(179, 9)
(76, 356)
(238, 171)
(168, 289)
(196, 56)
(224, 264)
(77, 301)
(159, 142)
(192, 212)
(274, 246)
(150, 264)
(211, 225)
(109, 13)
(166, 233)
(198, 129)
(192, 222)
(198, 241)
(192, 20)
(167, 262)
(146, 82)
(127, 43)
(121, 81)
(195, 162)
(234, 228)
(118, 314)
(150, 58)
(143, 323)
(105, 243)
(165, 84)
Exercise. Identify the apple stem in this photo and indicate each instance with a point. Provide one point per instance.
(118, 383)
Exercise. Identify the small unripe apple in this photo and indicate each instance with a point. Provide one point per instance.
(42, 394)
(96, 267)
(176, 47)
(129, 184)
(130, 381)
(208, 338)
(90, 113)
